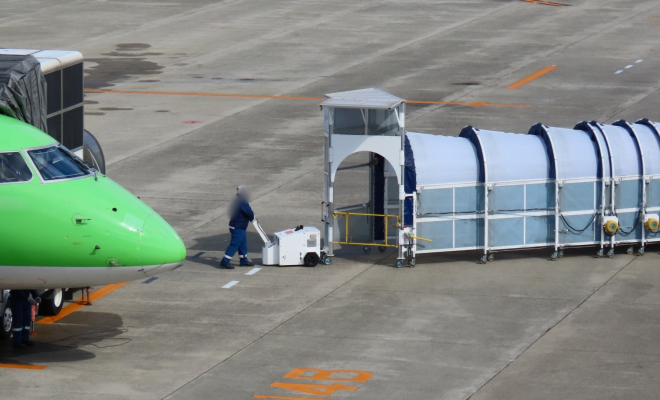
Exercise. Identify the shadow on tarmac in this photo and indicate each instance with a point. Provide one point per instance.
(221, 241)
(218, 243)
(59, 343)
(539, 254)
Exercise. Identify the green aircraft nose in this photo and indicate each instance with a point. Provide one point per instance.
(160, 245)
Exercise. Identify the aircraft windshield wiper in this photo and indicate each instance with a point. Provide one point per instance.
(80, 161)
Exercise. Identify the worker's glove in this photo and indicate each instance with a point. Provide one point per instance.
(32, 301)
(38, 300)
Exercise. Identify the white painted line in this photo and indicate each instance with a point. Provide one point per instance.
(638, 61)
(629, 66)
(619, 71)
(253, 271)
(230, 284)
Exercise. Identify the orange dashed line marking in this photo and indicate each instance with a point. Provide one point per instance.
(473, 104)
(547, 3)
(250, 96)
(533, 76)
(654, 20)
(21, 366)
(95, 295)
(261, 396)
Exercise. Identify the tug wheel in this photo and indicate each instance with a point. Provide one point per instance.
(311, 259)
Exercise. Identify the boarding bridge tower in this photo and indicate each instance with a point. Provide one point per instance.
(367, 120)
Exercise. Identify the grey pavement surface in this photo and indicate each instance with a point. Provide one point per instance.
(521, 327)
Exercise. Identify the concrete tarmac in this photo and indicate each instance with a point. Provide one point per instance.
(169, 98)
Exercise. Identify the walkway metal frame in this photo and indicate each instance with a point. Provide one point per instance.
(570, 190)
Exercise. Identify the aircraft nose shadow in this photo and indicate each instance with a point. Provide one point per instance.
(218, 243)
(221, 241)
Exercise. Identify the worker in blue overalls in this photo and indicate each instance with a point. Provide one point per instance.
(240, 216)
(21, 310)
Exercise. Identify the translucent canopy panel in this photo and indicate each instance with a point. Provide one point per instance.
(363, 98)
(576, 151)
(626, 160)
(511, 156)
(356, 121)
(444, 159)
(349, 121)
(650, 147)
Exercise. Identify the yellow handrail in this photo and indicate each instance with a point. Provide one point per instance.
(365, 214)
(349, 214)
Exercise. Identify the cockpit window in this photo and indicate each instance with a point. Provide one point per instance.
(13, 168)
(55, 163)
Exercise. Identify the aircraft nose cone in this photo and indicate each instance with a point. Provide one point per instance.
(160, 246)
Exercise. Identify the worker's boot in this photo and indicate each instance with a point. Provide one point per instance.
(246, 263)
(28, 343)
(18, 345)
(226, 265)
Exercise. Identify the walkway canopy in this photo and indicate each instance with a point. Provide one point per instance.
(575, 153)
(477, 156)
(443, 159)
(594, 184)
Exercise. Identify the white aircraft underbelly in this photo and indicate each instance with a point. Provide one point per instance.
(27, 277)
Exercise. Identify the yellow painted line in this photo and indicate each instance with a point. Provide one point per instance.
(546, 3)
(250, 96)
(533, 76)
(21, 366)
(95, 295)
(261, 396)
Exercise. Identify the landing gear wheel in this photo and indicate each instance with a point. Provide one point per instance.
(554, 256)
(630, 250)
(601, 253)
(51, 304)
(561, 254)
(311, 259)
(640, 252)
(610, 253)
(399, 264)
(366, 249)
(382, 249)
(5, 332)
(483, 259)
(491, 257)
